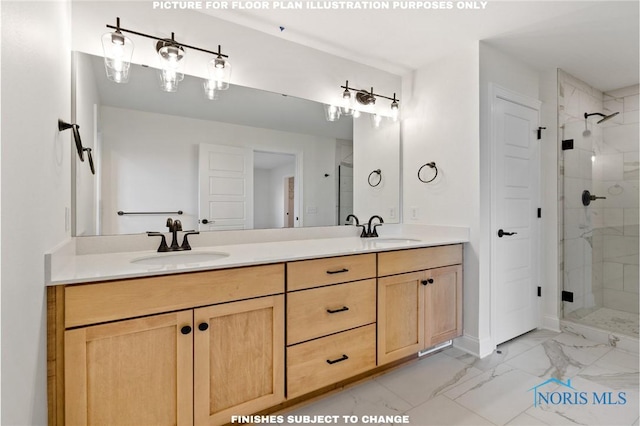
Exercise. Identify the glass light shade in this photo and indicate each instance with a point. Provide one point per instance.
(210, 90)
(395, 111)
(332, 112)
(118, 50)
(347, 108)
(356, 113)
(172, 61)
(220, 73)
(169, 79)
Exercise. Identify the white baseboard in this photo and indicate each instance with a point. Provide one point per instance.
(550, 322)
(472, 345)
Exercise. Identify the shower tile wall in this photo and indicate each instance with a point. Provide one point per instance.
(579, 273)
(615, 175)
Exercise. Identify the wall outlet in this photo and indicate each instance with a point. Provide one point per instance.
(392, 213)
(415, 213)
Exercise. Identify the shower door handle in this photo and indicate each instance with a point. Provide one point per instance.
(502, 233)
(587, 198)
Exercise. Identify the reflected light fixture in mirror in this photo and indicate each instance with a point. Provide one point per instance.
(332, 112)
(172, 59)
(118, 50)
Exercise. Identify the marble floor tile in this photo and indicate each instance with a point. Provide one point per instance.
(589, 413)
(536, 337)
(526, 420)
(427, 378)
(441, 411)
(498, 395)
(617, 370)
(560, 357)
(369, 398)
(502, 353)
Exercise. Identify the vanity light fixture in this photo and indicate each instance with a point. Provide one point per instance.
(347, 108)
(366, 98)
(332, 112)
(118, 50)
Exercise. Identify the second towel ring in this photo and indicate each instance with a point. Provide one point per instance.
(379, 173)
(433, 166)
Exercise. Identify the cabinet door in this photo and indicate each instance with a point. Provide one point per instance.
(135, 372)
(400, 316)
(238, 359)
(443, 305)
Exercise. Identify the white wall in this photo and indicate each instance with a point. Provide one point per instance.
(441, 124)
(258, 60)
(376, 148)
(166, 178)
(36, 177)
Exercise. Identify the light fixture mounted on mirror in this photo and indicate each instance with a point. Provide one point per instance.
(118, 50)
(364, 97)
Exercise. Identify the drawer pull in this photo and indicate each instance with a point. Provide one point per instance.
(335, 311)
(342, 358)
(339, 271)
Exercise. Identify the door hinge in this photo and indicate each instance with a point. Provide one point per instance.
(567, 144)
(539, 212)
(539, 291)
(567, 296)
(540, 129)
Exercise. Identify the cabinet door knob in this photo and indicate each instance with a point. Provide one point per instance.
(203, 326)
(185, 330)
(424, 282)
(430, 280)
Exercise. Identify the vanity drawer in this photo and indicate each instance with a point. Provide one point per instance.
(328, 360)
(326, 310)
(114, 300)
(401, 261)
(332, 270)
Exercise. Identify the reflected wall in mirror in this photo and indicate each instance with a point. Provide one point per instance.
(249, 160)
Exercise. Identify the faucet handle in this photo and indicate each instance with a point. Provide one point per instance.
(363, 234)
(185, 242)
(163, 243)
(374, 233)
(169, 223)
(178, 225)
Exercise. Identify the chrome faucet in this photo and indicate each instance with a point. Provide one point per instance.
(174, 226)
(373, 232)
(354, 217)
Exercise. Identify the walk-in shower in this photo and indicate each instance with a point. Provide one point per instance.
(599, 189)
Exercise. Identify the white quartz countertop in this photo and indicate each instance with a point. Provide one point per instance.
(72, 268)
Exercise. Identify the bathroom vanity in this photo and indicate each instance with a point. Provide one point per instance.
(196, 347)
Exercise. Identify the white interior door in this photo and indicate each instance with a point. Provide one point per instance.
(226, 187)
(515, 230)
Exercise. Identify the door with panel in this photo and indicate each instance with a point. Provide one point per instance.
(131, 372)
(443, 305)
(238, 358)
(400, 316)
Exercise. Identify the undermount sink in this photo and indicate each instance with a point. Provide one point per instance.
(394, 240)
(180, 258)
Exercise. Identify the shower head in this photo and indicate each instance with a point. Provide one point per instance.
(604, 117)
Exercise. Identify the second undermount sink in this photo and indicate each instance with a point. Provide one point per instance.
(390, 241)
(180, 258)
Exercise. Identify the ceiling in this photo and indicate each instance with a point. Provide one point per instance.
(597, 41)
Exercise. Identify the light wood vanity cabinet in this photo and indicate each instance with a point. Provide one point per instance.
(193, 366)
(196, 348)
(417, 310)
(331, 332)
